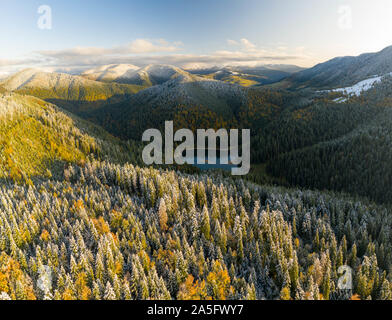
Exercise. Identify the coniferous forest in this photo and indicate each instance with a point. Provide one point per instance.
(123, 232)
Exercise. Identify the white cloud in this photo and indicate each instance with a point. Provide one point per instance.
(249, 46)
(141, 52)
(137, 46)
(17, 62)
(146, 46)
(9, 66)
(232, 42)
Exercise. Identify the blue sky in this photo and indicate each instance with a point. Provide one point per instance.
(188, 33)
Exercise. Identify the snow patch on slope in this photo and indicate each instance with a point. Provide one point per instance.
(361, 86)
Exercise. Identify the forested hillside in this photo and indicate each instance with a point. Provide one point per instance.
(121, 232)
(190, 101)
(344, 147)
(73, 93)
(38, 138)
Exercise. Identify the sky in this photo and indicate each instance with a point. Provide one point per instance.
(74, 35)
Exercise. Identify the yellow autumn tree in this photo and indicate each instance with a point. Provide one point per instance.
(191, 290)
(82, 290)
(218, 282)
(285, 294)
(10, 276)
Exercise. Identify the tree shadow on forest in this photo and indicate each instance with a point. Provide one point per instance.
(81, 108)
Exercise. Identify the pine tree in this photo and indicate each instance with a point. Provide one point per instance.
(96, 291)
(205, 224)
(385, 292)
(162, 214)
(109, 292)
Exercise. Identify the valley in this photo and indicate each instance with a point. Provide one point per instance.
(76, 196)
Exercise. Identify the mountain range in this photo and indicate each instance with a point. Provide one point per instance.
(147, 76)
(77, 199)
(126, 100)
(158, 74)
(249, 76)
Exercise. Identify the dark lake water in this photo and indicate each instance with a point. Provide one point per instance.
(218, 165)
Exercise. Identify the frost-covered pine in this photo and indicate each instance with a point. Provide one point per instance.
(109, 293)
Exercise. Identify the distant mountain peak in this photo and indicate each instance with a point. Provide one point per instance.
(344, 71)
(109, 72)
(153, 74)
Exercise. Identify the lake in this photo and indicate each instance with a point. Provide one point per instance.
(207, 166)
